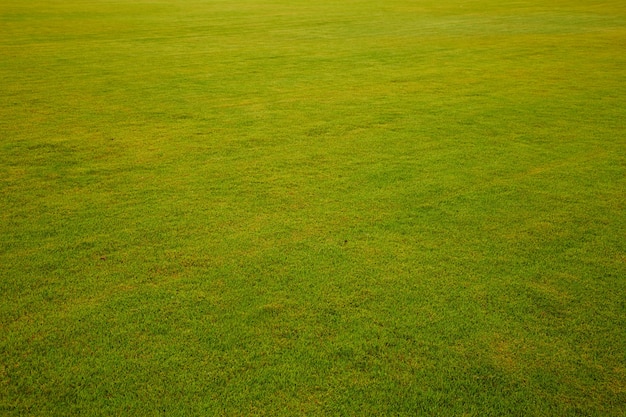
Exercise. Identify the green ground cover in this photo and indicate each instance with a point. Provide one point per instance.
(289, 207)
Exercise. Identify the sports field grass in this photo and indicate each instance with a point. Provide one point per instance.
(333, 207)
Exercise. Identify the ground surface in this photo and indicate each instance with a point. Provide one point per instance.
(312, 208)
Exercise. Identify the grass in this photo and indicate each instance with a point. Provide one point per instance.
(312, 208)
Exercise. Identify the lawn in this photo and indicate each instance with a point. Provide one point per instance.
(286, 207)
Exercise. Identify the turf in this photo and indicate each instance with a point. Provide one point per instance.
(246, 207)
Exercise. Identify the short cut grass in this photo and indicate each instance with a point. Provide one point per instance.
(347, 207)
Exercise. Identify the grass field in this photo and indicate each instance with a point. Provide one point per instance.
(286, 207)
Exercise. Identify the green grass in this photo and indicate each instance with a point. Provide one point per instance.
(283, 207)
